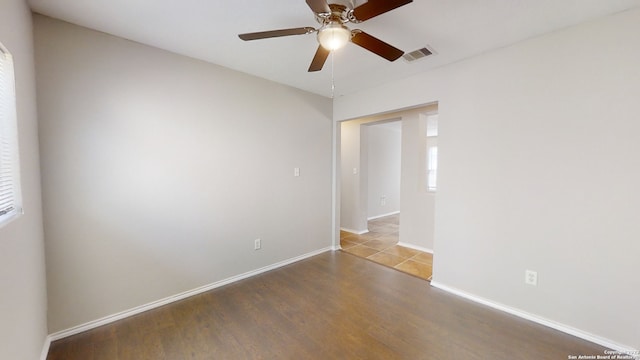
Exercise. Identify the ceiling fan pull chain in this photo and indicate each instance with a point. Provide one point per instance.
(333, 82)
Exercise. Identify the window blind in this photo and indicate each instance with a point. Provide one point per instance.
(8, 141)
(432, 168)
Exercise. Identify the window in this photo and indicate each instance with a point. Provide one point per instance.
(9, 169)
(431, 157)
(432, 167)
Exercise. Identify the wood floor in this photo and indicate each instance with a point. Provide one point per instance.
(331, 306)
(380, 245)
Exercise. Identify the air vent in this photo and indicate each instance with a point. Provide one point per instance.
(417, 54)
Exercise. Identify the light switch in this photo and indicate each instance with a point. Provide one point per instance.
(355, 171)
(296, 171)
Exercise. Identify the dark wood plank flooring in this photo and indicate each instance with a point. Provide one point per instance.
(332, 306)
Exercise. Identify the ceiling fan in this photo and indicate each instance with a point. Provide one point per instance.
(333, 34)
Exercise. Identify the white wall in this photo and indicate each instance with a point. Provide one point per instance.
(538, 148)
(353, 186)
(417, 205)
(159, 171)
(383, 172)
(23, 299)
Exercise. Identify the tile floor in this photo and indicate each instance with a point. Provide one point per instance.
(380, 245)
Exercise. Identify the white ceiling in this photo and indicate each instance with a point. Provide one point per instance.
(207, 30)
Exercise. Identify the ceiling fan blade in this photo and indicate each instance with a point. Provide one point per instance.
(276, 33)
(319, 59)
(373, 8)
(375, 45)
(319, 6)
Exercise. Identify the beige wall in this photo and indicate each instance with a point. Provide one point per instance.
(417, 206)
(383, 170)
(353, 187)
(538, 170)
(159, 171)
(23, 299)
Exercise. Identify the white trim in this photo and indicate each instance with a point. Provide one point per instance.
(357, 232)
(415, 247)
(540, 320)
(155, 304)
(383, 215)
(45, 348)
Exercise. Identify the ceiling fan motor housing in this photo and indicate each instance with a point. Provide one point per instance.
(340, 14)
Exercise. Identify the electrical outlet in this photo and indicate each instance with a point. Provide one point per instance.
(296, 172)
(257, 244)
(383, 200)
(531, 277)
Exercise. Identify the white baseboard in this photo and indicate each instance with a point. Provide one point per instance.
(540, 320)
(357, 232)
(415, 247)
(45, 348)
(155, 304)
(383, 215)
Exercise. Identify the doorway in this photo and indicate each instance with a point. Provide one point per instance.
(391, 227)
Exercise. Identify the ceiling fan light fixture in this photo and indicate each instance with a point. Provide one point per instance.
(333, 36)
